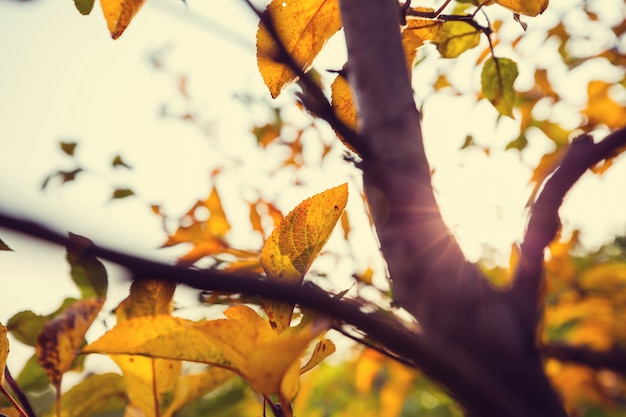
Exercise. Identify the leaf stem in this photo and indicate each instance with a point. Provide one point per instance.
(23, 399)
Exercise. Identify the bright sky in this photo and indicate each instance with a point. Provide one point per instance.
(63, 78)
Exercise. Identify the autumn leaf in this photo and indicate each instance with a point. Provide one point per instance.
(303, 27)
(525, 7)
(497, 80)
(243, 342)
(68, 147)
(119, 162)
(25, 326)
(204, 226)
(342, 102)
(415, 33)
(87, 272)
(119, 193)
(454, 38)
(601, 108)
(150, 382)
(61, 338)
(295, 243)
(119, 13)
(4, 246)
(323, 349)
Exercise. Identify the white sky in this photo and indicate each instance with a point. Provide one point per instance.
(63, 78)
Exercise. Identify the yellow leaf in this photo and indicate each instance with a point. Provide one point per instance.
(342, 102)
(525, 7)
(323, 349)
(119, 13)
(304, 27)
(61, 338)
(4, 350)
(293, 246)
(243, 343)
(455, 37)
(150, 382)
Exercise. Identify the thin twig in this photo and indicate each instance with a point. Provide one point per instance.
(312, 97)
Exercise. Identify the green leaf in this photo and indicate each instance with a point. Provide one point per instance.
(25, 326)
(455, 37)
(32, 377)
(497, 80)
(119, 162)
(66, 176)
(88, 273)
(122, 193)
(4, 246)
(84, 6)
(519, 143)
(68, 147)
(95, 395)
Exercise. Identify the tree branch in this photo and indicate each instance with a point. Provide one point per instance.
(614, 359)
(544, 221)
(424, 261)
(454, 369)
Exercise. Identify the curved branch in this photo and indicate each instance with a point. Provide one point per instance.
(544, 222)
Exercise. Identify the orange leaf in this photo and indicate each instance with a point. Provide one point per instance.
(304, 27)
(525, 7)
(205, 226)
(119, 13)
(341, 100)
(601, 108)
(61, 338)
(295, 243)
